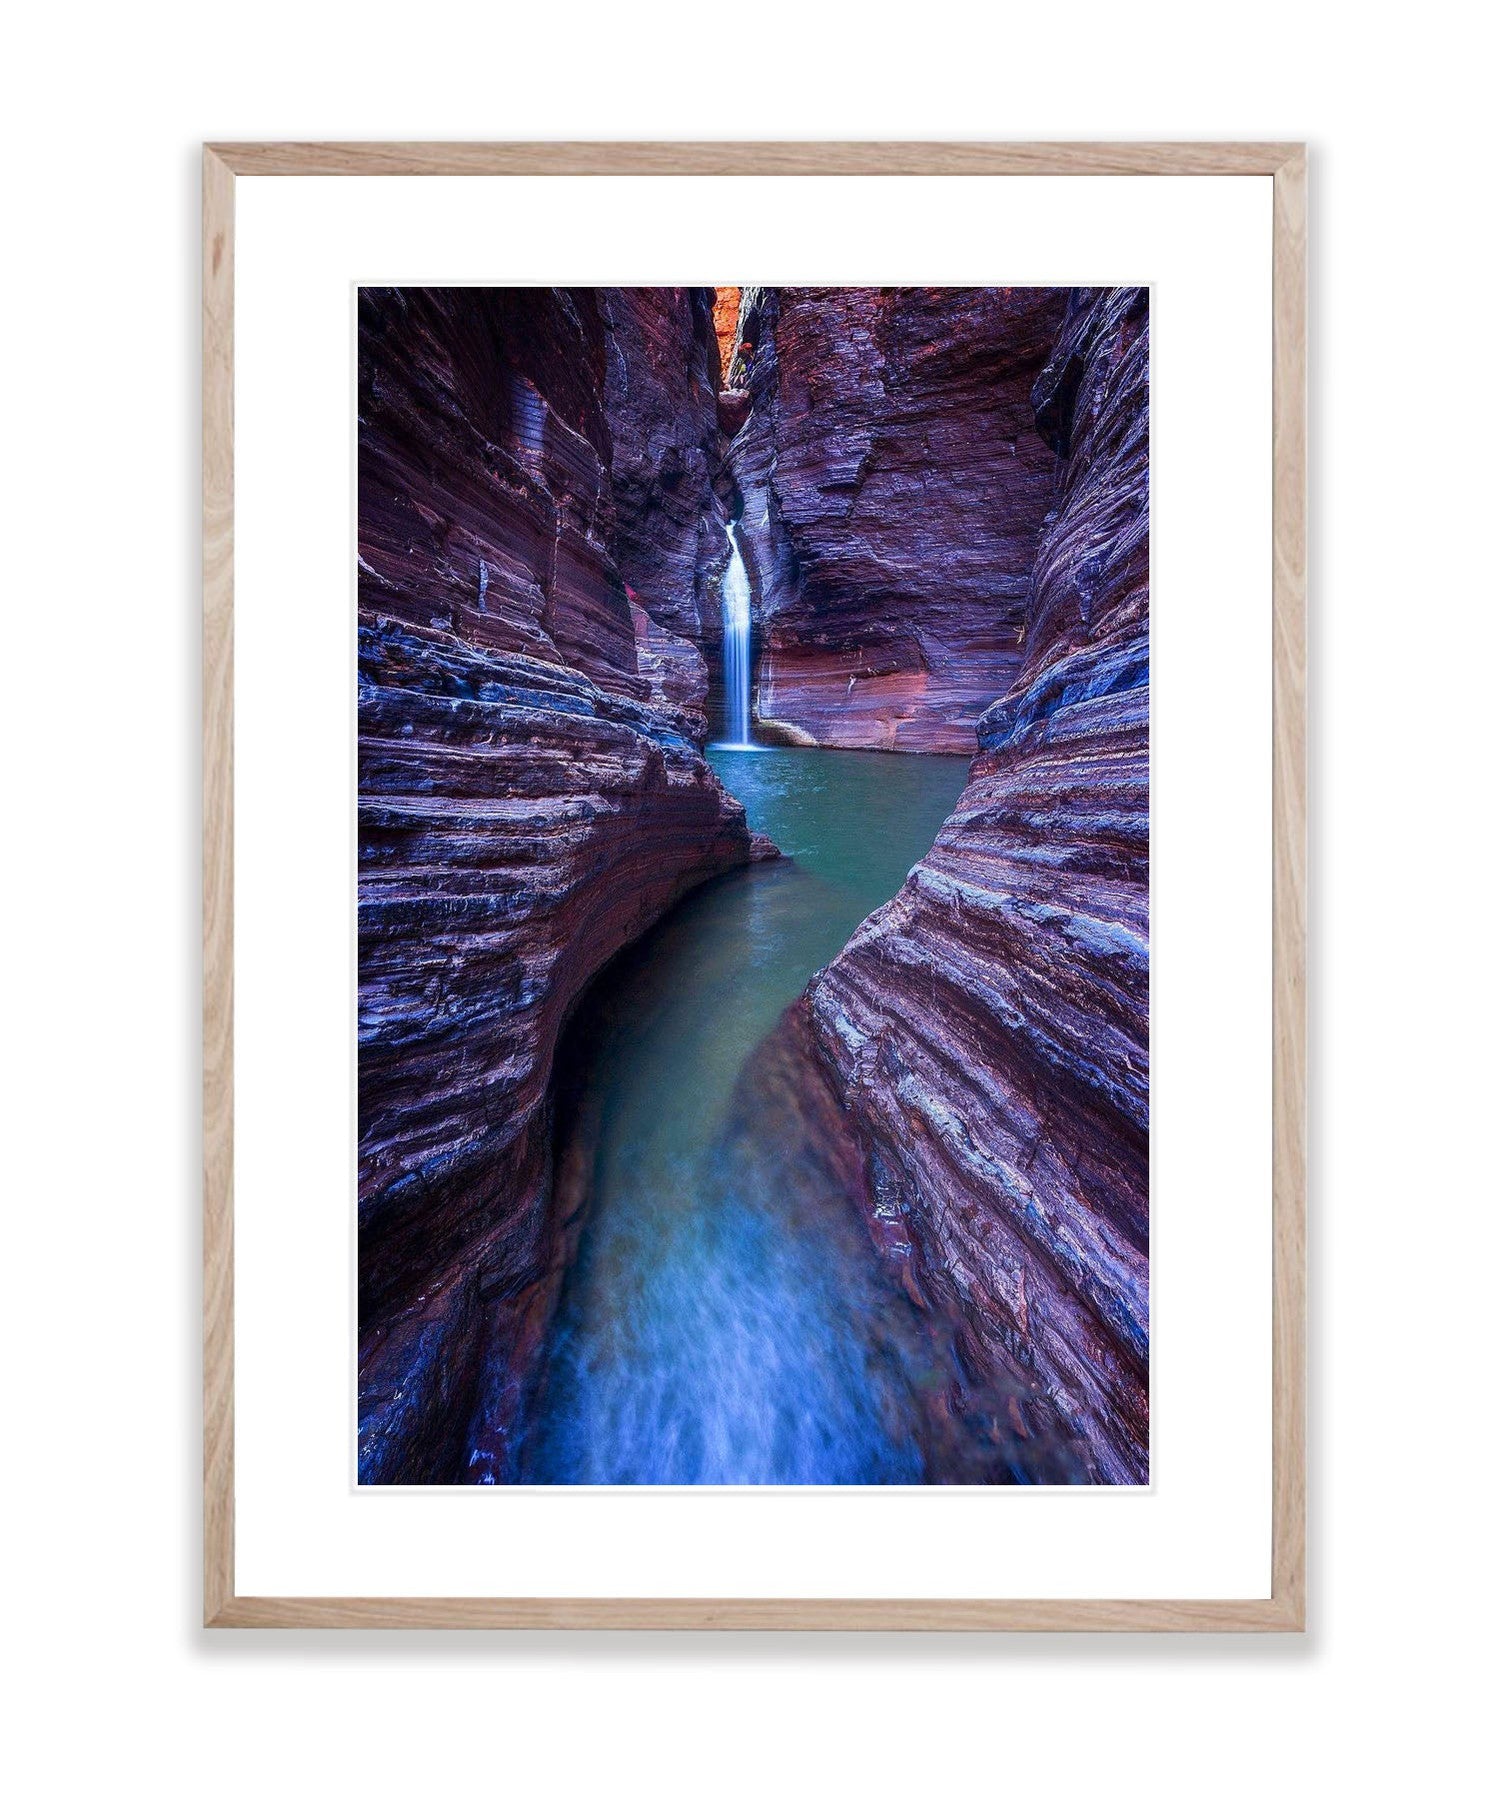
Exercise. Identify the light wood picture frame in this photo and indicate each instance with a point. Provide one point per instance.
(1285, 1608)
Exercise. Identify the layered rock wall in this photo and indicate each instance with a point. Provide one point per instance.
(893, 483)
(988, 1029)
(531, 796)
(660, 400)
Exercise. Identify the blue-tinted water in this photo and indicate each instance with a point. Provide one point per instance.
(725, 1319)
(736, 647)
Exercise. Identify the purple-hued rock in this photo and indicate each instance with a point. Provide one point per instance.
(894, 485)
(733, 409)
(532, 796)
(660, 403)
(988, 1029)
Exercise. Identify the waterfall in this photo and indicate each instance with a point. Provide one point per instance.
(736, 646)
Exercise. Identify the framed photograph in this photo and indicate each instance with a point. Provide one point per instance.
(754, 886)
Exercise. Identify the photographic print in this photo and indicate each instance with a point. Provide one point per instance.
(753, 886)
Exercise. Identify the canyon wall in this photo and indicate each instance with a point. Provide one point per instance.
(893, 483)
(660, 399)
(536, 526)
(726, 327)
(988, 1029)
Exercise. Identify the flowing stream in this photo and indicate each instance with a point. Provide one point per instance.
(725, 1321)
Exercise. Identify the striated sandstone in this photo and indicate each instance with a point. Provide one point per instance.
(894, 483)
(988, 1029)
(675, 670)
(660, 403)
(531, 798)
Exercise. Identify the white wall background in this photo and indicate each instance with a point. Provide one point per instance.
(103, 110)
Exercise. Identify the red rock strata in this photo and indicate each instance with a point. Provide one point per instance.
(675, 669)
(660, 400)
(894, 486)
(988, 1029)
(532, 795)
(726, 326)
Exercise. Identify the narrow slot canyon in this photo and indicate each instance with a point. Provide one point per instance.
(753, 886)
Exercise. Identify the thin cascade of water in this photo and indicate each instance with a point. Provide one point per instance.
(736, 646)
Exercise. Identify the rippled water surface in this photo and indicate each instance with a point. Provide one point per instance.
(725, 1320)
